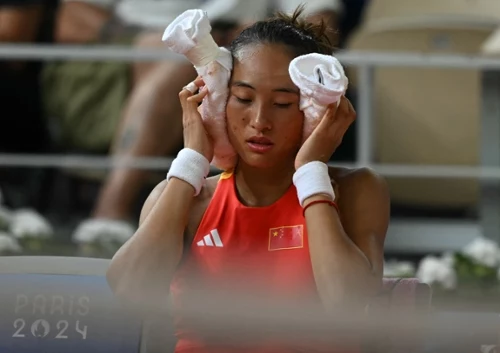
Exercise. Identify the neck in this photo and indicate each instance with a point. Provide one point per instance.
(260, 187)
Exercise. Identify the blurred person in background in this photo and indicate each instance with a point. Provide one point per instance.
(150, 123)
(23, 127)
(130, 108)
(86, 101)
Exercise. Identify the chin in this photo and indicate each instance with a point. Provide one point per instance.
(261, 161)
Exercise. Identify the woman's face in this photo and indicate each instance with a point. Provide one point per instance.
(263, 116)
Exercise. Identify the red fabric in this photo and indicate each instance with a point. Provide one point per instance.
(262, 250)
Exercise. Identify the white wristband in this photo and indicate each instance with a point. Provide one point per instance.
(313, 179)
(190, 166)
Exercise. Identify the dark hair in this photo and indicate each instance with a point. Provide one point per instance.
(300, 36)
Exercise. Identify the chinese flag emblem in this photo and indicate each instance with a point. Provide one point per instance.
(289, 237)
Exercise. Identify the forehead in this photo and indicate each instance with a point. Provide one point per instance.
(263, 64)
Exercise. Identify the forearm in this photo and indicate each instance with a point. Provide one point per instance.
(142, 269)
(341, 270)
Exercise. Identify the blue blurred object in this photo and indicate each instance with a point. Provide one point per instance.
(61, 313)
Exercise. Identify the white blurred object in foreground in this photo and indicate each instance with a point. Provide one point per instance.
(433, 270)
(5, 218)
(9, 244)
(395, 268)
(483, 251)
(27, 223)
(103, 231)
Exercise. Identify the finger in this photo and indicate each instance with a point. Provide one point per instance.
(195, 85)
(352, 111)
(334, 109)
(196, 99)
(330, 112)
(330, 115)
(326, 120)
(199, 82)
(191, 88)
(343, 108)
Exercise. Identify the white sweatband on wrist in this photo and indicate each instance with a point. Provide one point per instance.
(313, 179)
(190, 166)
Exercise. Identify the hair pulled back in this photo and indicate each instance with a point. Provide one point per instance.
(293, 31)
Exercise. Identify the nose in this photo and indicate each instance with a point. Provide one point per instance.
(260, 118)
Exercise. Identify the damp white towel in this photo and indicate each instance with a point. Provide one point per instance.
(322, 81)
(189, 35)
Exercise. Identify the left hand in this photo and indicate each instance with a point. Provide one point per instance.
(328, 135)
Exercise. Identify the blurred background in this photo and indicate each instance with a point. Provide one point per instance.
(91, 120)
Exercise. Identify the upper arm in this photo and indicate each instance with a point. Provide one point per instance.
(20, 21)
(365, 212)
(151, 200)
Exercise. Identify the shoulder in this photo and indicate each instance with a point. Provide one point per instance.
(198, 207)
(355, 184)
(359, 177)
(364, 202)
(200, 202)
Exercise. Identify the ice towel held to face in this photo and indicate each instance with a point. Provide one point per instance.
(189, 35)
(322, 81)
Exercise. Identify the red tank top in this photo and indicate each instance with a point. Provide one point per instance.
(258, 248)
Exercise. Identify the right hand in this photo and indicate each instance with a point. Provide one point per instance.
(196, 136)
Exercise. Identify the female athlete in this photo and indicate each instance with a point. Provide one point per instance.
(281, 223)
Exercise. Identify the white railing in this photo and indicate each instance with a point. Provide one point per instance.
(350, 58)
(162, 164)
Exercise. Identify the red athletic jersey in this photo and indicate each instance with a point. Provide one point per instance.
(262, 249)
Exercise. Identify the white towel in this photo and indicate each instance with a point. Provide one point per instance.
(322, 81)
(189, 35)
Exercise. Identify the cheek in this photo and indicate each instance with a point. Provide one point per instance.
(293, 126)
(235, 119)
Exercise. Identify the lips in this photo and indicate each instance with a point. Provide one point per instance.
(260, 140)
(260, 144)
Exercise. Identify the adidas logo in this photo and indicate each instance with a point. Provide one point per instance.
(212, 239)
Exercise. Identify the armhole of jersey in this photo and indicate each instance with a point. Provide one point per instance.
(224, 176)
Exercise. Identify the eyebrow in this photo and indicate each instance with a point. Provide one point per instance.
(280, 89)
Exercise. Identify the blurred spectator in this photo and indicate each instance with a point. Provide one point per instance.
(133, 106)
(84, 100)
(23, 21)
(23, 127)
